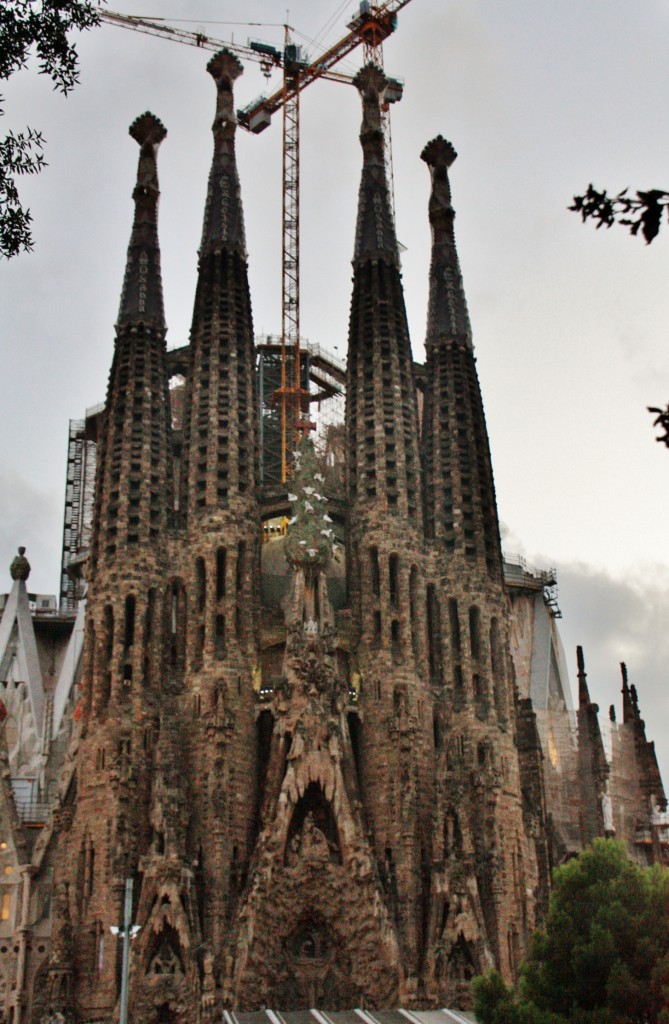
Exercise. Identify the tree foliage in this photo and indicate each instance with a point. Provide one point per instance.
(603, 957)
(641, 212)
(42, 26)
(661, 420)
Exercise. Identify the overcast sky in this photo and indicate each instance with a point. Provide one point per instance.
(570, 323)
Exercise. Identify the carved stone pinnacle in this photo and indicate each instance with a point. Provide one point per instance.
(147, 128)
(224, 68)
(439, 153)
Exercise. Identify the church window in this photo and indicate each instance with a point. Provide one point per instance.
(374, 568)
(241, 566)
(413, 611)
(5, 906)
(89, 876)
(395, 638)
(434, 634)
(220, 573)
(199, 646)
(454, 621)
(394, 571)
(220, 637)
(475, 632)
(200, 584)
(129, 630)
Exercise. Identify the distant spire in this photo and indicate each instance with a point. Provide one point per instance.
(583, 694)
(447, 313)
(223, 216)
(375, 231)
(460, 505)
(628, 709)
(383, 462)
(220, 419)
(142, 296)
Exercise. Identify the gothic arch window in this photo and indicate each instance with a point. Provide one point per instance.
(497, 665)
(220, 573)
(149, 628)
(129, 623)
(394, 579)
(107, 644)
(413, 612)
(200, 584)
(375, 571)
(240, 589)
(475, 632)
(434, 634)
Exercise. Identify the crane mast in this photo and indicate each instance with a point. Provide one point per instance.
(369, 28)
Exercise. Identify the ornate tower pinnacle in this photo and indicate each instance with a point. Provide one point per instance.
(382, 421)
(460, 506)
(134, 453)
(223, 219)
(447, 313)
(220, 428)
(583, 692)
(375, 232)
(142, 296)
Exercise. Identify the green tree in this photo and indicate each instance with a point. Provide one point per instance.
(42, 25)
(603, 957)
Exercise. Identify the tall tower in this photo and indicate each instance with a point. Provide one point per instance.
(385, 545)
(206, 755)
(107, 829)
(484, 865)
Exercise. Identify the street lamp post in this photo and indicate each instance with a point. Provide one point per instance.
(127, 933)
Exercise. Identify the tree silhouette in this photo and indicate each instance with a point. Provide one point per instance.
(641, 212)
(43, 25)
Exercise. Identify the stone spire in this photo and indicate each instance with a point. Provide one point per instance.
(220, 421)
(594, 769)
(142, 296)
(628, 708)
(447, 312)
(134, 472)
(461, 511)
(583, 693)
(382, 422)
(375, 231)
(223, 218)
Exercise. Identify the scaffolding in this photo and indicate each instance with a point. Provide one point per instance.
(78, 517)
(322, 388)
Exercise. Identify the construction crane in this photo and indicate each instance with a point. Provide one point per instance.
(373, 23)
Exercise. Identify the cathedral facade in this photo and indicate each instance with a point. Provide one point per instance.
(316, 759)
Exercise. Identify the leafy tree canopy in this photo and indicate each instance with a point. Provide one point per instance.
(42, 26)
(641, 212)
(603, 957)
